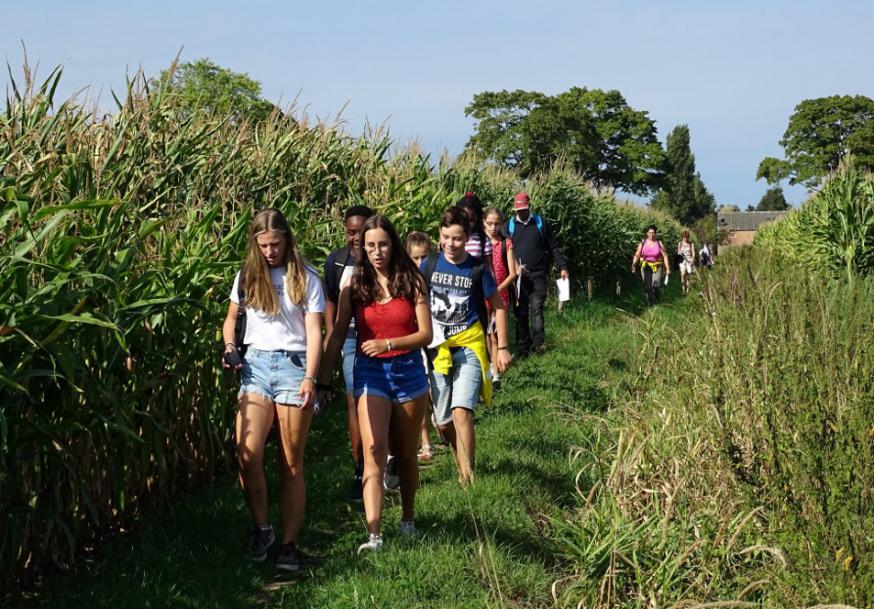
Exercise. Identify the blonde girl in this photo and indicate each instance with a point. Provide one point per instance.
(284, 302)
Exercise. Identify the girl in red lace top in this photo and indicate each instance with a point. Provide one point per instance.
(388, 296)
(504, 269)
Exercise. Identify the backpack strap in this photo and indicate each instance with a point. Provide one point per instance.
(512, 226)
(430, 265)
(241, 291)
(340, 265)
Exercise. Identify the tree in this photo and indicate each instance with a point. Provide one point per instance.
(773, 200)
(684, 195)
(603, 138)
(821, 132)
(203, 85)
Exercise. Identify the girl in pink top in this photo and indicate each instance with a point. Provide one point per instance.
(389, 297)
(654, 261)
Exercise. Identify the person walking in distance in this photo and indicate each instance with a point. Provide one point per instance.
(284, 302)
(533, 244)
(686, 252)
(654, 260)
(338, 272)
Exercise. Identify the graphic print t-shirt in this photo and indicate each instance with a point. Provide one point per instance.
(452, 308)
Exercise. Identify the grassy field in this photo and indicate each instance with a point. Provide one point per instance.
(490, 545)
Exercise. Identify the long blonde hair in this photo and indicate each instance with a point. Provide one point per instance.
(256, 274)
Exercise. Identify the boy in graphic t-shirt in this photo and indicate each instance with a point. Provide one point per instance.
(459, 286)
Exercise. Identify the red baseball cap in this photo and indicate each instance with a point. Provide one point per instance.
(521, 201)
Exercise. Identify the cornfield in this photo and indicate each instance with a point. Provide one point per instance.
(833, 230)
(120, 234)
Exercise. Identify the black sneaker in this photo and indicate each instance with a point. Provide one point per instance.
(355, 490)
(289, 558)
(392, 480)
(259, 541)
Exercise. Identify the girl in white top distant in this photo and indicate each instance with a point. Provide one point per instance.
(284, 303)
(686, 250)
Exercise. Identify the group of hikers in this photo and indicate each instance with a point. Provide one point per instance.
(419, 329)
(655, 265)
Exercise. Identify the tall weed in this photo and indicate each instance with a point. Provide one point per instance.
(741, 467)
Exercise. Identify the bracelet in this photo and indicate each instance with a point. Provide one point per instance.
(503, 348)
(388, 345)
(234, 345)
(310, 379)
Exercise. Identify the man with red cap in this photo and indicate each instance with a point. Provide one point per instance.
(533, 243)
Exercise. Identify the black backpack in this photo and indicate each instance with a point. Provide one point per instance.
(477, 278)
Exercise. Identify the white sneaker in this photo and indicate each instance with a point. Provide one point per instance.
(408, 529)
(374, 544)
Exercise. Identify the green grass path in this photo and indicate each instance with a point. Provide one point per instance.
(487, 546)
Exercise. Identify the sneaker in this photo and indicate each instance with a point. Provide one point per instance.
(408, 529)
(289, 558)
(541, 349)
(391, 481)
(259, 541)
(354, 494)
(374, 544)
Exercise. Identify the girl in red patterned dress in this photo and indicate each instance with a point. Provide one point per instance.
(504, 269)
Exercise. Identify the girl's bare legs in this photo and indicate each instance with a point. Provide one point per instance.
(254, 419)
(374, 417)
(294, 426)
(406, 419)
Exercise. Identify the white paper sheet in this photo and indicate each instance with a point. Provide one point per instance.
(564, 289)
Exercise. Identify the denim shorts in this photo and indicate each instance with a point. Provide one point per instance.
(459, 389)
(350, 345)
(398, 379)
(276, 375)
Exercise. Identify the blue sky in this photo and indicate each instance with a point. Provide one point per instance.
(732, 71)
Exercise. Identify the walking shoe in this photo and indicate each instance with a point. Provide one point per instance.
(541, 348)
(391, 482)
(373, 544)
(424, 454)
(289, 558)
(259, 541)
(408, 529)
(354, 494)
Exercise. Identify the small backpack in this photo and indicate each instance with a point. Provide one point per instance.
(538, 222)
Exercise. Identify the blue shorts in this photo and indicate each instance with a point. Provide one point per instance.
(398, 379)
(276, 375)
(350, 345)
(459, 389)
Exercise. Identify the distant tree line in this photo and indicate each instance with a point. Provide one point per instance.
(599, 135)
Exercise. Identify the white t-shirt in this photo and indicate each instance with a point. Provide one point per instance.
(286, 330)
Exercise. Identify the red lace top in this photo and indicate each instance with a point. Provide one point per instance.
(392, 319)
(499, 268)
